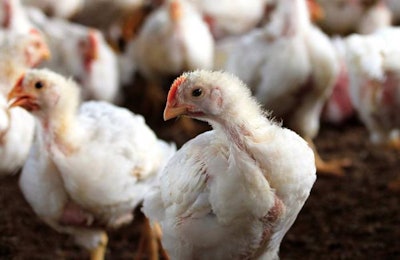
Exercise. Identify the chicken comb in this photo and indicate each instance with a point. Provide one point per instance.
(174, 88)
(175, 10)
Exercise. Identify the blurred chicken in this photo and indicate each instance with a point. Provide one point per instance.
(291, 67)
(233, 192)
(85, 56)
(227, 17)
(173, 39)
(63, 9)
(90, 166)
(17, 53)
(374, 69)
(348, 16)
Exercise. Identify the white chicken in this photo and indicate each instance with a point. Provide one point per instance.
(291, 67)
(63, 9)
(16, 135)
(233, 192)
(347, 16)
(84, 56)
(374, 73)
(187, 43)
(17, 53)
(173, 39)
(90, 166)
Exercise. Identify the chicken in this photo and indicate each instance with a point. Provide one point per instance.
(234, 191)
(229, 17)
(63, 9)
(90, 165)
(348, 16)
(18, 52)
(85, 56)
(374, 73)
(291, 67)
(187, 44)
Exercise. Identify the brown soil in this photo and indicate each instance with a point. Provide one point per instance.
(354, 217)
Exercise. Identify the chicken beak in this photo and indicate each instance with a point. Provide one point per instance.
(20, 98)
(173, 111)
(316, 11)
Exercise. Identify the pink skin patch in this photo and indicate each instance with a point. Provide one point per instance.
(73, 215)
(174, 89)
(7, 14)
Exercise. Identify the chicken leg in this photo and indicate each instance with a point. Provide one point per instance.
(151, 242)
(328, 168)
(99, 252)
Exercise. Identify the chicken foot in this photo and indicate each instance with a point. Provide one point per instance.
(99, 252)
(331, 167)
(150, 241)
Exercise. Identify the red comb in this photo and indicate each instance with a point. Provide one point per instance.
(174, 87)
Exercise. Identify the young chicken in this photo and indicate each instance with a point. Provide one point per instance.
(233, 192)
(85, 56)
(291, 67)
(187, 44)
(374, 73)
(17, 53)
(91, 165)
(374, 70)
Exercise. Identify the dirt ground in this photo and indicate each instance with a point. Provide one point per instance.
(354, 217)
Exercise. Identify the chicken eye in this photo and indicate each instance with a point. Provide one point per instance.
(38, 85)
(197, 92)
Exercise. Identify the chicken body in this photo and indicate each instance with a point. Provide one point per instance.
(289, 64)
(17, 53)
(174, 38)
(233, 192)
(345, 16)
(374, 70)
(16, 135)
(84, 56)
(97, 163)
